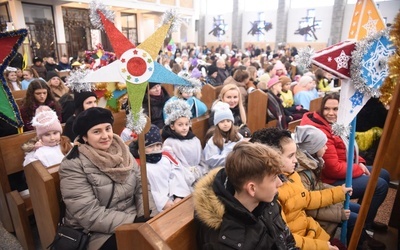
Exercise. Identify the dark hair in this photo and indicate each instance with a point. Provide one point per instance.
(251, 162)
(274, 137)
(328, 96)
(30, 103)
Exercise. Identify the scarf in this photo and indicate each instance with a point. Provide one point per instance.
(167, 132)
(116, 162)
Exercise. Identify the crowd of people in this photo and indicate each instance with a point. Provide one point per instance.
(248, 176)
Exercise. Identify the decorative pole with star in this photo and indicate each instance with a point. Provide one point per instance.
(362, 68)
(135, 66)
(10, 42)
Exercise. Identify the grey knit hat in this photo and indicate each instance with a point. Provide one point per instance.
(176, 109)
(222, 112)
(309, 138)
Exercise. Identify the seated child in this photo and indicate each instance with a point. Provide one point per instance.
(225, 137)
(179, 139)
(169, 180)
(191, 94)
(236, 207)
(311, 143)
(49, 146)
(295, 198)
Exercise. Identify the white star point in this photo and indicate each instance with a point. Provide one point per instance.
(342, 61)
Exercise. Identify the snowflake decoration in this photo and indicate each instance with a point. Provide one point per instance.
(356, 99)
(370, 26)
(342, 61)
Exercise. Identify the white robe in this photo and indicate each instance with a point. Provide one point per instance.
(49, 156)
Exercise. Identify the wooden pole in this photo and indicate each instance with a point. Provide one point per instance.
(143, 169)
(393, 115)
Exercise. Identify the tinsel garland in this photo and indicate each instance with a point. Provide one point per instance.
(171, 16)
(136, 122)
(75, 81)
(356, 68)
(341, 129)
(387, 88)
(95, 19)
(304, 57)
(195, 84)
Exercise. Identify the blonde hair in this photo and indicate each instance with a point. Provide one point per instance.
(225, 89)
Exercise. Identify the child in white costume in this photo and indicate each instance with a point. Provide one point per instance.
(224, 138)
(179, 139)
(49, 146)
(169, 180)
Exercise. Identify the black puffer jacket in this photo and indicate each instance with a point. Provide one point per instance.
(224, 223)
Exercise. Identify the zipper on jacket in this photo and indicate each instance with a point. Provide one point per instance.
(66, 236)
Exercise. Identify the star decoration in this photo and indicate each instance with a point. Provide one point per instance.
(123, 60)
(356, 99)
(123, 70)
(149, 60)
(150, 69)
(135, 52)
(342, 60)
(329, 59)
(373, 66)
(10, 42)
(370, 26)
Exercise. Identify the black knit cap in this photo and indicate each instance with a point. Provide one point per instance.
(90, 118)
(80, 97)
(51, 74)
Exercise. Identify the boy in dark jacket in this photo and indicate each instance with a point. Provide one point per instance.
(236, 206)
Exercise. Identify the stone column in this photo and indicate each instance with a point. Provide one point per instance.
(237, 22)
(282, 21)
(339, 8)
(201, 24)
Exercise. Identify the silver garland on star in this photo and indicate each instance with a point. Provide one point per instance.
(176, 109)
(172, 17)
(136, 122)
(341, 129)
(357, 63)
(95, 19)
(304, 57)
(194, 85)
(75, 81)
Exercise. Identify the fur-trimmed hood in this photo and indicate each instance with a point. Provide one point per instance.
(209, 209)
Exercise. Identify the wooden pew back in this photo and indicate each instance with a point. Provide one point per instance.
(173, 229)
(209, 94)
(44, 188)
(200, 127)
(315, 104)
(11, 159)
(293, 124)
(257, 110)
(119, 121)
(19, 94)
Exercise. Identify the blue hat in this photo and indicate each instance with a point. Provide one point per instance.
(153, 136)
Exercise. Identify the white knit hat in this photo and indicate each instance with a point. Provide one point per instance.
(222, 112)
(176, 109)
(45, 120)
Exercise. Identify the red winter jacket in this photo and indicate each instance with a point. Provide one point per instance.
(335, 155)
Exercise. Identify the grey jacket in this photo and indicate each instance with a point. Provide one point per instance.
(86, 191)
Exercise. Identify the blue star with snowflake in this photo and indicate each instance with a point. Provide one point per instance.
(356, 100)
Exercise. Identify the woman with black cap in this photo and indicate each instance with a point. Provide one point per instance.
(100, 180)
(82, 101)
(158, 97)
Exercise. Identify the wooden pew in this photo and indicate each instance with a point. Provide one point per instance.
(119, 122)
(19, 94)
(44, 187)
(11, 159)
(169, 88)
(293, 124)
(315, 104)
(209, 94)
(173, 229)
(257, 111)
(200, 127)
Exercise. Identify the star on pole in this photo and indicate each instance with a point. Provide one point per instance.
(342, 61)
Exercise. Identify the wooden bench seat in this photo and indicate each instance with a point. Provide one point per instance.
(200, 127)
(172, 229)
(11, 159)
(209, 94)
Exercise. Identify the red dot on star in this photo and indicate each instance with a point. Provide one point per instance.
(136, 66)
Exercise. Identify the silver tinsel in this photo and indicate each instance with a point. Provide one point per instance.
(75, 81)
(136, 122)
(194, 85)
(172, 17)
(340, 129)
(304, 57)
(95, 19)
(357, 62)
(176, 109)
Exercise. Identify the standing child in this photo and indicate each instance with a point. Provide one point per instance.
(49, 146)
(169, 180)
(178, 136)
(224, 138)
(295, 198)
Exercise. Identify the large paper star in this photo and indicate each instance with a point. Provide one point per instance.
(10, 42)
(135, 66)
(342, 61)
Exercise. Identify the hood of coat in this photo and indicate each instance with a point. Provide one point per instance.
(213, 195)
